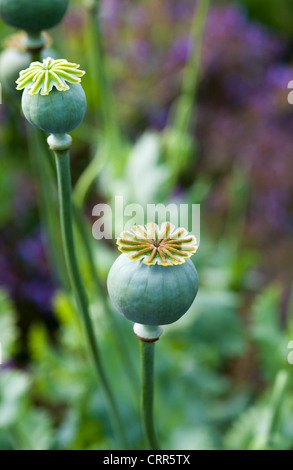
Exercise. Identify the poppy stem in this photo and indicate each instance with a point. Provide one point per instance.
(147, 336)
(62, 158)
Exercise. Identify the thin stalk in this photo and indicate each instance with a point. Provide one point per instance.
(87, 178)
(277, 404)
(109, 140)
(80, 224)
(185, 104)
(45, 190)
(64, 188)
(36, 56)
(127, 359)
(147, 351)
(101, 87)
(269, 431)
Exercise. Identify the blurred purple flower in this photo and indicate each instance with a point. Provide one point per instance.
(25, 273)
(158, 118)
(110, 10)
(32, 253)
(9, 364)
(74, 20)
(181, 49)
(8, 278)
(40, 292)
(140, 50)
(277, 216)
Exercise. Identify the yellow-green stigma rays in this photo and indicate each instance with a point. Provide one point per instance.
(41, 77)
(151, 245)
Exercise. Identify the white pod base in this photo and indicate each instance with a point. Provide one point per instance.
(147, 333)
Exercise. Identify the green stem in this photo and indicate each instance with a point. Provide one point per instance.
(34, 43)
(277, 404)
(87, 179)
(185, 103)
(64, 187)
(109, 139)
(127, 360)
(45, 191)
(147, 350)
(100, 80)
(80, 224)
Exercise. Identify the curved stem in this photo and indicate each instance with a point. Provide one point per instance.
(147, 351)
(109, 136)
(45, 189)
(64, 188)
(80, 224)
(125, 356)
(275, 409)
(48, 217)
(98, 64)
(87, 179)
(191, 73)
(183, 110)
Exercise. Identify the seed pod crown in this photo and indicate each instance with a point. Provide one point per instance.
(41, 77)
(153, 245)
(153, 281)
(53, 98)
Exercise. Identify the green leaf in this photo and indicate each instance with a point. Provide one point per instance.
(267, 332)
(261, 426)
(240, 436)
(13, 388)
(35, 430)
(146, 176)
(213, 322)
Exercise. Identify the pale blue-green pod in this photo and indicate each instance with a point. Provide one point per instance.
(33, 15)
(53, 99)
(58, 112)
(153, 281)
(152, 295)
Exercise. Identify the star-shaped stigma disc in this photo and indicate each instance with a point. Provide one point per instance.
(153, 245)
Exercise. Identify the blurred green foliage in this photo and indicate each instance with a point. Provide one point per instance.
(55, 403)
(222, 376)
(278, 15)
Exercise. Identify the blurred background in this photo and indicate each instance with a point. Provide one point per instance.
(172, 117)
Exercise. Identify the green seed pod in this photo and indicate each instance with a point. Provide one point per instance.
(48, 102)
(33, 15)
(153, 282)
(58, 113)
